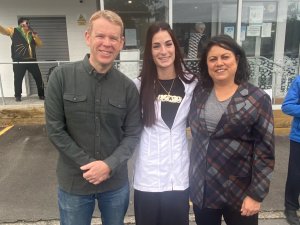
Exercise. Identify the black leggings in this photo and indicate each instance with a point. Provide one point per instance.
(231, 216)
(161, 208)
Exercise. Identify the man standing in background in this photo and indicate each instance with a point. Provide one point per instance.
(24, 42)
(196, 41)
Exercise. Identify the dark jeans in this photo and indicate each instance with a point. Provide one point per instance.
(161, 208)
(19, 72)
(231, 216)
(292, 187)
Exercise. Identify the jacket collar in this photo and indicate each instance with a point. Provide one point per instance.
(236, 104)
(189, 88)
(239, 96)
(92, 71)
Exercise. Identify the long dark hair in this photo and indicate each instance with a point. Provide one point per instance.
(226, 42)
(149, 76)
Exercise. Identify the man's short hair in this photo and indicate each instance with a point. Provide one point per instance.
(108, 15)
(200, 25)
(22, 19)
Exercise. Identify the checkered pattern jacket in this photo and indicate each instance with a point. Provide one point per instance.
(237, 160)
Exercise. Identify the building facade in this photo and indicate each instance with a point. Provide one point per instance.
(269, 31)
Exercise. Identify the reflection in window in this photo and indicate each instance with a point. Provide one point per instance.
(137, 15)
(292, 35)
(291, 45)
(192, 25)
(258, 28)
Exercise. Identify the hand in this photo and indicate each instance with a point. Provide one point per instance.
(32, 31)
(250, 207)
(34, 34)
(96, 172)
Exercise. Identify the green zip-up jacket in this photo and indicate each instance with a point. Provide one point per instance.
(89, 117)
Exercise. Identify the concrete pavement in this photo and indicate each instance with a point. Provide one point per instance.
(28, 182)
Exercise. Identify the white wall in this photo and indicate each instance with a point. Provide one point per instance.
(71, 9)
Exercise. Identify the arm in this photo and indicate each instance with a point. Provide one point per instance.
(291, 103)
(264, 158)
(132, 130)
(37, 39)
(56, 124)
(98, 171)
(7, 31)
(264, 155)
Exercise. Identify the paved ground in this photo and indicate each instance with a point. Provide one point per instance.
(28, 182)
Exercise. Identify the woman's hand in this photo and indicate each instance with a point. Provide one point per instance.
(250, 207)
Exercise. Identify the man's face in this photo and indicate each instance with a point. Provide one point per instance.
(105, 41)
(200, 29)
(25, 25)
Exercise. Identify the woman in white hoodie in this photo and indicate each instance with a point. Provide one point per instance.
(166, 86)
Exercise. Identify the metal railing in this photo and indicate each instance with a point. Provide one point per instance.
(265, 73)
(30, 62)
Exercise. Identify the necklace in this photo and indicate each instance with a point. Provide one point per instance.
(168, 92)
(168, 97)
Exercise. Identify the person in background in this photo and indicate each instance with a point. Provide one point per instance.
(197, 41)
(291, 106)
(161, 184)
(94, 121)
(232, 154)
(23, 49)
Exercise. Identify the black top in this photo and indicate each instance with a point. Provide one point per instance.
(20, 47)
(169, 108)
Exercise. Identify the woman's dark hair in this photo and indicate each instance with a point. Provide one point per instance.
(149, 76)
(226, 42)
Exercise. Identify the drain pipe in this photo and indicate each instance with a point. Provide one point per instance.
(3, 101)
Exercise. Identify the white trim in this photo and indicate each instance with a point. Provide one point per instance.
(171, 13)
(101, 4)
(276, 107)
(239, 21)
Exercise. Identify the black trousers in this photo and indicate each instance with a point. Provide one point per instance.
(292, 187)
(19, 72)
(214, 216)
(161, 208)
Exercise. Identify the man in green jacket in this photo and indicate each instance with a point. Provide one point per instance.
(24, 42)
(93, 119)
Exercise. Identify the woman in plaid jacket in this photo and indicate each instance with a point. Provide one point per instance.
(232, 155)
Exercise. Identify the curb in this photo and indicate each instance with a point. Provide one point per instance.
(33, 114)
(20, 114)
(130, 219)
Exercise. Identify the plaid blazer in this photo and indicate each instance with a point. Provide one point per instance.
(237, 160)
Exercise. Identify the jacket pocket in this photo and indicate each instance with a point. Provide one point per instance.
(117, 104)
(116, 110)
(117, 107)
(74, 98)
(75, 106)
